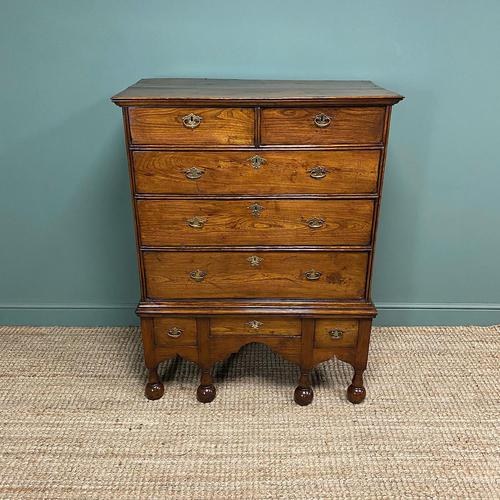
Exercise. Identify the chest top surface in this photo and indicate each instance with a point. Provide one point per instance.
(150, 91)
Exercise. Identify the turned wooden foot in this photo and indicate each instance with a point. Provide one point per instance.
(206, 390)
(356, 392)
(154, 388)
(304, 394)
(205, 393)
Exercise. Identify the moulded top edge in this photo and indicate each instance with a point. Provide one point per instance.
(192, 91)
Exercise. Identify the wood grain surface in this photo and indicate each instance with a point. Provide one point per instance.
(232, 172)
(296, 126)
(279, 274)
(231, 222)
(323, 327)
(155, 91)
(222, 126)
(164, 324)
(255, 325)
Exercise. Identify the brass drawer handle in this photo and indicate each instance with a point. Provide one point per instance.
(336, 334)
(255, 260)
(174, 332)
(197, 222)
(315, 222)
(256, 209)
(197, 275)
(312, 275)
(322, 120)
(194, 173)
(254, 324)
(318, 172)
(191, 120)
(257, 161)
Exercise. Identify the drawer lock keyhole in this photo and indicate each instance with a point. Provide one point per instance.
(191, 121)
(256, 209)
(336, 334)
(254, 324)
(255, 260)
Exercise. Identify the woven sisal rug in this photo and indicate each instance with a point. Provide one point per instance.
(74, 422)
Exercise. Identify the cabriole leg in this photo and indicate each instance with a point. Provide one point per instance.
(304, 394)
(154, 388)
(206, 390)
(356, 392)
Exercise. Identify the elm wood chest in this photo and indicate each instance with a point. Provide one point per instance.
(256, 206)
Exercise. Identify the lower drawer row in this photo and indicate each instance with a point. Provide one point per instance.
(328, 332)
(260, 274)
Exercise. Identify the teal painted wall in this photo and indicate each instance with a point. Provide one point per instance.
(67, 247)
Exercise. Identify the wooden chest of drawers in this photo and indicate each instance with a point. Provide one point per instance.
(256, 207)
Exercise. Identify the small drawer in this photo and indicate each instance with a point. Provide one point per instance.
(255, 325)
(192, 126)
(257, 172)
(335, 333)
(255, 222)
(322, 126)
(169, 331)
(294, 275)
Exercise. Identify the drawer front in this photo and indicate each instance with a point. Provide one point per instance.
(254, 325)
(170, 331)
(300, 275)
(335, 333)
(256, 172)
(322, 126)
(192, 126)
(259, 222)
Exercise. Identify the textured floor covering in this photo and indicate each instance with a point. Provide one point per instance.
(74, 422)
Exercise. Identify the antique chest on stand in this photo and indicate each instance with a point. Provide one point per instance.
(256, 206)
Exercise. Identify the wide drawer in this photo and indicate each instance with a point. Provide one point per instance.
(273, 274)
(192, 126)
(259, 222)
(254, 325)
(330, 332)
(322, 126)
(169, 331)
(256, 172)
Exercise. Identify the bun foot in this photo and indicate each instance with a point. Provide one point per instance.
(154, 391)
(205, 393)
(303, 396)
(355, 394)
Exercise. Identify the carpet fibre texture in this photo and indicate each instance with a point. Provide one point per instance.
(74, 422)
